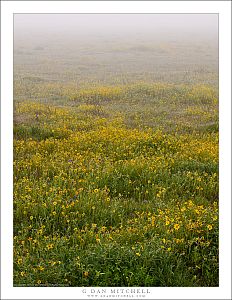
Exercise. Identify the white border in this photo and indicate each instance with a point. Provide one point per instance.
(8, 8)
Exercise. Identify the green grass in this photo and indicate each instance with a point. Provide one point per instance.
(109, 205)
(116, 165)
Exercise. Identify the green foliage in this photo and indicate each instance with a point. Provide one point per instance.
(99, 204)
(116, 166)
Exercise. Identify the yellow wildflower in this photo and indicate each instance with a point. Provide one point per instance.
(210, 227)
(50, 246)
(176, 226)
(86, 274)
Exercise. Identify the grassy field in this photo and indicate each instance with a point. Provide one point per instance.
(116, 165)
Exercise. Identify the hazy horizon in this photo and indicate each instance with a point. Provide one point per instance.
(116, 48)
(152, 25)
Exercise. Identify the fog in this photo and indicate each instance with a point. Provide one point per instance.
(108, 25)
(116, 48)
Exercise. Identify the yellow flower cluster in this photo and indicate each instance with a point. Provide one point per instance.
(86, 179)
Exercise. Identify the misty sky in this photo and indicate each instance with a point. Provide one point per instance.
(85, 24)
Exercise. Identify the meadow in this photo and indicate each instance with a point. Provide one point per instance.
(116, 164)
